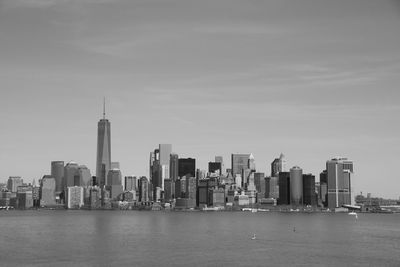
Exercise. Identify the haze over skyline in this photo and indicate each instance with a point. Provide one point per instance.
(311, 79)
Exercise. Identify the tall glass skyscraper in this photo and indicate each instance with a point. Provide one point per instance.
(103, 162)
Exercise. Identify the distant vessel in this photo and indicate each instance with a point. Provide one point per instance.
(354, 214)
(254, 237)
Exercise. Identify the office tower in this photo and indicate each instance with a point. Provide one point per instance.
(85, 178)
(173, 167)
(151, 164)
(47, 191)
(187, 167)
(296, 186)
(75, 197)
(25, 199)
(114, 183)
(215, 167)
(143, 189)
(278, 165)
(13, 183)
(103, 161)
(57, 171)
(94, 197)
(323, 190)
(155, 169)
(191, 188)
(130, 183)
(259, 182)
(220, 159)
(284, 188)
(252, 164)
(165, 154)
(178, 189)
(339, 183)
(169, 190)
(309, 196)
(71, 175)
(239, 162)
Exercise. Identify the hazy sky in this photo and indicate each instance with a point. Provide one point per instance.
(313, 79)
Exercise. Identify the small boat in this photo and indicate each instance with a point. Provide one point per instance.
(354, 214)
(254, 237)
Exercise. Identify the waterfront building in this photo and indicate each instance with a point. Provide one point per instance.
(284, 188)
(217, 197)
(47, 191)
(25, 199)
(242, 199)
(143, 189)
(323, 183)
(169, 190)
(103, 159)
(260, 184)
(57, 171)
(191, 188)
(309, 196)
(94, 197)
(75, 197)
(339, 171)
(13, 183)
(239, 162)
(296, 186)
(173, 167)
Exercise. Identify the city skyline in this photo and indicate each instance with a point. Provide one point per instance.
(207, 81)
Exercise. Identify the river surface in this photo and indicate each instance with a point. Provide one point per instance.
(142, 238)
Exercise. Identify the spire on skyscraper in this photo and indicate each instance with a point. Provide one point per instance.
(104, 108)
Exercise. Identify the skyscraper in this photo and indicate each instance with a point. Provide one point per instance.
(57, 171)
(103, 163)
(339, 183)
(173, 167)
(296, 186)
(13, 183)
(187, 167)
(71, 175)
(278, 165)
(165, 154)
(239, 162)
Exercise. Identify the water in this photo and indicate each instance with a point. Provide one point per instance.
(135, 238)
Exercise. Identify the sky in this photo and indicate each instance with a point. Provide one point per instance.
(312, 79)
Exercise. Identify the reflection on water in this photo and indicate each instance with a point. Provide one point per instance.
(133, 238)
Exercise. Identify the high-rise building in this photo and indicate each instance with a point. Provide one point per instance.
(57, 171)
(114, 183)
(71, 175)
(309, 197)
(174, 167)
(47, 191)
(85, 178)
(296, 186)
(13, 183)
(143, 189)
(259, 182)
(278, 165)
(187, 167)
(252, 164)
(169, 190)
(165, 154)
(130, 183)
(103, 162)
(115, 165)
(339, 183)
(284, 188)
(215, 167)
(75, 197)
(220, 159)
(239, 163)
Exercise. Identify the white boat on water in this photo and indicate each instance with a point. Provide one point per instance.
(353, 214)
